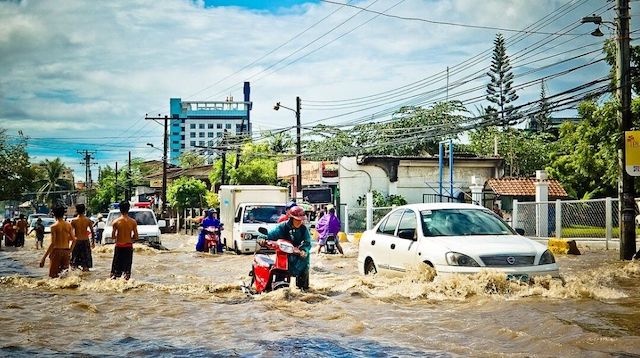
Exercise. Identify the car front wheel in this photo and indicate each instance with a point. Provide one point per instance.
(370, 267)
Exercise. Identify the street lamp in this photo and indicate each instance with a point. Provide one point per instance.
(623, 77)
(298, 146)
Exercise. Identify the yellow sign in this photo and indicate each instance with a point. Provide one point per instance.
(632, 152)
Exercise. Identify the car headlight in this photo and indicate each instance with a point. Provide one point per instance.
(458, 259)
(547, 258)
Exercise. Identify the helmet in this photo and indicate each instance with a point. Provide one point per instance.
(297, 213)
(212, 211)
(290, 205)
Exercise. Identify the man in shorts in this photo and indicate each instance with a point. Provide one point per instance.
(59, 251)
(9, 233)
(81, 251)
(21, 230)
(39, 229)
(125, 232)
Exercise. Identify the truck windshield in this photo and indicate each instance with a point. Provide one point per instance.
(141, 217)
(265, 214)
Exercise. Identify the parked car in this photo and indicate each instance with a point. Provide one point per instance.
(46, 221)
(148, 226)
(452, 238)
(33, 217)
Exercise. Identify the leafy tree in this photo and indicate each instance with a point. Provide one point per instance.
(189, 159)
(499, 90)
(212, 199)
(524, 152)
(105, 192)
(16, 174)
(586, 161)
(609, 50)
(51, 181)
(380, 200)
(280, 142)
(257, 166)
(186, 193)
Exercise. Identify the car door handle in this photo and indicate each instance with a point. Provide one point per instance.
(393, 246)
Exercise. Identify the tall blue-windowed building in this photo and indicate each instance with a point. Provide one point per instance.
(198, 124)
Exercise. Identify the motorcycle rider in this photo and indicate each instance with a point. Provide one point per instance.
(210, 221)
(295, 230)
(284, 217)
(328, 225)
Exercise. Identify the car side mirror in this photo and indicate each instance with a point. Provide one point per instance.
(263, 230)
(162, 223)
(520, 231)
(407, 234)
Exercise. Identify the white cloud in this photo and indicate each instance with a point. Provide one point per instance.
(76, 67)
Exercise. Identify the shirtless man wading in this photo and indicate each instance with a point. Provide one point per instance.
(125, 232)
(81, 250)
(59, 251)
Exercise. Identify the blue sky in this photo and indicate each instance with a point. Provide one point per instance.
(270, 5)
(78, 74)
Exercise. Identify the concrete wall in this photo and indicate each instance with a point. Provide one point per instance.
(415, 178)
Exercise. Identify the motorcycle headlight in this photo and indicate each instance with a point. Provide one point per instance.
(547, 258)
(458, 259)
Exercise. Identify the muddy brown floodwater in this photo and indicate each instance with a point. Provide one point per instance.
(180, 302)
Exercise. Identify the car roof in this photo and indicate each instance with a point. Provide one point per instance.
(130, 210)
(438, 206)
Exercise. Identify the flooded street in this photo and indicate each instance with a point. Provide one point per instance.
(180, 302)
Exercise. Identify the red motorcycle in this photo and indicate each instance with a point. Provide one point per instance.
(268, 274)
(211, 239)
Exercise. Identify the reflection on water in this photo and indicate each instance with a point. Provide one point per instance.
(180, 302)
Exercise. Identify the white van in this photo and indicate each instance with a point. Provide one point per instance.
(148, 226)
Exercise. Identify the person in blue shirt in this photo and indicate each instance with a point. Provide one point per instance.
(295, 230)
(210, 221)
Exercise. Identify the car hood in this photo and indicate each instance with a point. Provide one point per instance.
(490, 244)
(142, 229)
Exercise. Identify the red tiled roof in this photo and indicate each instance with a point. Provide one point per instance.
(524, 187)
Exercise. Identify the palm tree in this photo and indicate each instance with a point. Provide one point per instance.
(280, 142)
(52, 180)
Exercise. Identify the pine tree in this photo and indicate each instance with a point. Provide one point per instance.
(499, 90)
(543, 117)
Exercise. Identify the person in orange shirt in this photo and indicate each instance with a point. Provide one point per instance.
(81, 251)
(21, 230)
(59, 251)
(125, 233)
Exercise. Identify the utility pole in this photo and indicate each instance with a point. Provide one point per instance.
(116, 184)
(87, 156)
(626, 182)
(224, 158)
(164, 160)
(127, 195)
(298, 153)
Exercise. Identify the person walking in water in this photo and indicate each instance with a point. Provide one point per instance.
(9, 233)
(39, 229)
(99, 225)
(21, 230)
(81, 253)
(125, 232)
(59, 251)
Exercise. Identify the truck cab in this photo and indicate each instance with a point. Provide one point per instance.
(245, 208)
(249, 217)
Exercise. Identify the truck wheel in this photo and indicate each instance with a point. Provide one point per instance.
(235, 248)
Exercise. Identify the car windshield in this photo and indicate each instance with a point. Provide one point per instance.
(45, 221)
(141, 217)
(268, 214)
(462, 222)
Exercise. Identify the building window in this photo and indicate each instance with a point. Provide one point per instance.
(211, 143)
(210, 126)
(182, 146)
(176, 142)
(201, 126)
(201, 143)
(227, 126)
(193, 143)
(192, 126)
(210, 134)
(182, 137)
(192, 135)
(219, 134)
(201, 134)
(219, 126)
(175, 133)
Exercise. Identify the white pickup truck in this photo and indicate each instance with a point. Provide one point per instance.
(245, 208)
(148, 226)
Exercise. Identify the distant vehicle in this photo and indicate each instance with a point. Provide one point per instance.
(33, 217)
(452, 238)
(148, 226)
(46, 221)
(245, 208)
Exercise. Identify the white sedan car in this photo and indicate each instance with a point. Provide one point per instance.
(452, 238)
